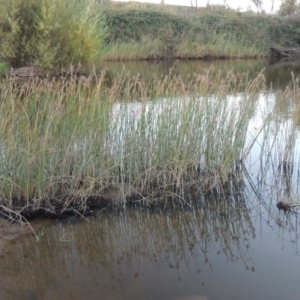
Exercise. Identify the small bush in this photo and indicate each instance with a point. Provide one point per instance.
(49, 33)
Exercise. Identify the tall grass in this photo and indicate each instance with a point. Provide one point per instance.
(146, 49)
(67, 144)
(63, 141)
(218, 46)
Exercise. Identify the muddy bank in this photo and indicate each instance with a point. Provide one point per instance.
(110, 198)
(62, 207)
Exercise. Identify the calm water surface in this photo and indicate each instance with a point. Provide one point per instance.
(230, 243)
(278, 73)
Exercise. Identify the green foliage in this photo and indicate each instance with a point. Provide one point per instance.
(132, 24)
(286, 31)
(4, 69)
(59, 33)
(146, 48)
(244, 29)
(203, 28)
(17, 32)
(49, 33)
(71, 31)
(215, 31)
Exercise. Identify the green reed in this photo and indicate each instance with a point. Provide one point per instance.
(73, 139)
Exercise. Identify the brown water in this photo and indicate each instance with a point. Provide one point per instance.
(278, 73)
(224, 250)
(230, 243)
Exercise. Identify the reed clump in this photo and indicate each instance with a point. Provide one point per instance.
(75, 143)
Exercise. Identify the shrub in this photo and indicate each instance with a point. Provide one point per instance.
(17, 30)
(126, 25)
(50, 33)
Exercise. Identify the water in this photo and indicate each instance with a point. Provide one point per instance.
(278, 73)
(221, 251)
(232, 244)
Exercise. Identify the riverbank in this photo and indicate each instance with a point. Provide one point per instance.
(181, 32)
(87, 33)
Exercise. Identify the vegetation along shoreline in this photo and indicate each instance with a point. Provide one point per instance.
(88, 32)
(71, 143)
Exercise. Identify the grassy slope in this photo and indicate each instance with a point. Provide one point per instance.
(146, 31)
(55, 34)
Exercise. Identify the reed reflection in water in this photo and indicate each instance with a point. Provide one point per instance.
(143, 253)
(222, 248)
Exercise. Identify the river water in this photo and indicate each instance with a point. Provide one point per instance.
(231, 244)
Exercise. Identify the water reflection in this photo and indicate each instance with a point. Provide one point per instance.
(113, 250)
(146, 254)
(278, 73)
(183, 67)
